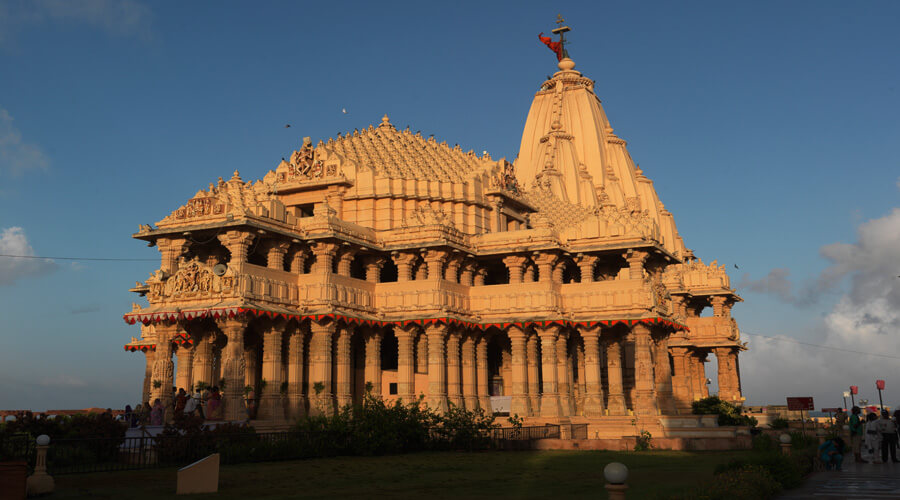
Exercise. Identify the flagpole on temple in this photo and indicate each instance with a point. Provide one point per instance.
(561, 31)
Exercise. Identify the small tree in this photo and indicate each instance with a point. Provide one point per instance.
(729, 414)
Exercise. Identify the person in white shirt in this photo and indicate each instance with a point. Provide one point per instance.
(888, 431)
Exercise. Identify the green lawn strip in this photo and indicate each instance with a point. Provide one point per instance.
(572, 474)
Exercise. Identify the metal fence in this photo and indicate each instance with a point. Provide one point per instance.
(526, 433)
(579, 431)
(83, 455)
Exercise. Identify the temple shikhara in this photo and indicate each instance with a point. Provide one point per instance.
(555, 287)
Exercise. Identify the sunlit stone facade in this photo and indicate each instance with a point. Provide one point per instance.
(557, 286)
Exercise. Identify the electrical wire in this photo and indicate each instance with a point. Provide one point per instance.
(821, 346)
(76, 258)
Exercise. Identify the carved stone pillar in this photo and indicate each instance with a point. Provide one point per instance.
(149, 358)
(251, 353)
(728, 378)
(203, 361)
(550, 395)
(586, 265)
(545, 262)
(466, 277)
(343, 382)
(421, 360)
(454, 386)
(663, 371)
(636, 260)
(437, 367)
(480, 274)
(718, 305)
(298, 260)
(435, 259)
(470, 394)
(481, 368)
(345, 259)
(163, 367)
(275, 255)
(520, 404)
(406, 376)
(373, 361)
(593, 397)
(335, 199)
(681, 379)
(644, 381)
(324, 253)
(233, 366)
(185, 365)
(404, 262)
(237, 243)
(498, 222)
(295, 397)
(534, 381)
(515, 265)
(170, 250)
(374, 263)
(270, 407)
(564, 384)
(698, 375)
(451, 271)
(320, 359)
(615, 401)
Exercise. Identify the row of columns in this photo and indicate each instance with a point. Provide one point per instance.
(542, 380)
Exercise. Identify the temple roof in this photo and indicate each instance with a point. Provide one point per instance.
(406, 155)
(569, 149)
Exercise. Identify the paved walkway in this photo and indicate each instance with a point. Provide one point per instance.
(856, 481)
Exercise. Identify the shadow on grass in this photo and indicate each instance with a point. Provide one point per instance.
(523, 474)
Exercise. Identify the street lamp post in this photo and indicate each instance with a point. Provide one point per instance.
(846, 395)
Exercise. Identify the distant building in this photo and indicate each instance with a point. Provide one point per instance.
(387, 258)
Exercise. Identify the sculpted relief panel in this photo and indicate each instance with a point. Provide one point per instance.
(193, 279)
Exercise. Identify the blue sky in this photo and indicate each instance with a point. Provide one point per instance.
(769, 129)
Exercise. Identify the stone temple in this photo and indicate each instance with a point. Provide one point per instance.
(555, 287)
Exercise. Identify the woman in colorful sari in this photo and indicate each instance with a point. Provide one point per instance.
(832, 453)
(214, 405)
(158, 413)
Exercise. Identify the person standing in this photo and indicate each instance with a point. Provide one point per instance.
(856, 434)
(871, 449)
(888, 431)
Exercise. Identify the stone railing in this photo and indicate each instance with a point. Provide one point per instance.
(712, 329)
(607, 296)
(423, 296)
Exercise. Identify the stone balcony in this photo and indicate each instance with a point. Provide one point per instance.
(712, 331)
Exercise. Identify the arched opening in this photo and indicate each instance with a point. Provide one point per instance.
(358, 366)
(499, 365)
(257, 254)
(358, 267)
(309, 264)
(570, 273)
(389, 350)
(210, 252)
(608, 267)
(497, 273)
(389, 273)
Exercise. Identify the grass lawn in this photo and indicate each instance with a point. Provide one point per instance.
(526, 474)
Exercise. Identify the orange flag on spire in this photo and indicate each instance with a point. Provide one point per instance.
(556, 47)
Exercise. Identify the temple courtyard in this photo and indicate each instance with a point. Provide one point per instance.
(539, 474)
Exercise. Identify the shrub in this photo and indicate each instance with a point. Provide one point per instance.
(779, 423)
(787, 471)
(728, 413)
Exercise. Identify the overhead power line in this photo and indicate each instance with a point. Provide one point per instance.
(822, 346)
(75, 258)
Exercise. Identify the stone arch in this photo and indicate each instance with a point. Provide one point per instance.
(499, 356)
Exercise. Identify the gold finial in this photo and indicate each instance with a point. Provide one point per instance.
(559, 19)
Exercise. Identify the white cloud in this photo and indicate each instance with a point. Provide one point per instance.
(866, 318)
(14, 242)
(116, 17)
(17, 156)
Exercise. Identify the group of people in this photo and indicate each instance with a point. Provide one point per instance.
(206, 405)
(874, 439)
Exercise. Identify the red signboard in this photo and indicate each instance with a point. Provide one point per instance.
(800, 404)
(879, 384)
(854, 389)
